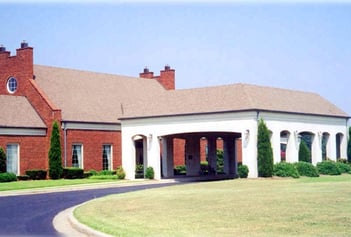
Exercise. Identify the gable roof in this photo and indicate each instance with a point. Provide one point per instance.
(235, 97)
(17, 112)
(93, 97)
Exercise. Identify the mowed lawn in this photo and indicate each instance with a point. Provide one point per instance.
(242, 207)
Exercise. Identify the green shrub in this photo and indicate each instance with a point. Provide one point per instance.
(284, 169)
(73, 173)
(36, 174)
(204, 168)
(149, 174)
(220, 162)
(264, 151)
(343, 167)
(55, 160)
(106, 172)
(306, 169)
(7, 177)
(328, 167)
(23, 177)
(180, 170)
(304, 152)
(2, 161)
(120, 173)
(139, 171)
(243, 171)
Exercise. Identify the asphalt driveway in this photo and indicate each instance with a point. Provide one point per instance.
(32, 215)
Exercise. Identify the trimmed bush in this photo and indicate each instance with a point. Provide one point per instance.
(180, 170)
(304, 152)
(328, 167)
(7, 177)
(139, 171)
(2, 161)
(106, 172)
(243, 171)
(306, 169)
(343, 167)
(55, 160)
(120, 173)
(73, 173)
(36, 174)
(23, 177)
(264, 151)
(149, 174)
(284, 169)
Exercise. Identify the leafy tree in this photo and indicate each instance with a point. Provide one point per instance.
(349, 147)
(264, 151)
(304, 152)
(55, 160)
(2, 160)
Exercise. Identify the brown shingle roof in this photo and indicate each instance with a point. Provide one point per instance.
(18, 112)
(92, 97)
(236, 97)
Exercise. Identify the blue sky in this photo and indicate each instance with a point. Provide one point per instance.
(303, 46)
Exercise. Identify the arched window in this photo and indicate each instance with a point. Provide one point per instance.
(284, 137)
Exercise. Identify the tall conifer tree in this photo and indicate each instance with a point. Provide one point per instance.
(2, 160)
(349, 147)
(55, 160)
(264, 151)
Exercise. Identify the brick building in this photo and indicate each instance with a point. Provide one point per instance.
(112, 120)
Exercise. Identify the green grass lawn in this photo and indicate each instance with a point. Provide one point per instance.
(31, 184)
(242, 207)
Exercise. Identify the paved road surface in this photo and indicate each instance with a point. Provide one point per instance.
(32, 215)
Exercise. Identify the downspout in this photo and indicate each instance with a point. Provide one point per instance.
(64, 143)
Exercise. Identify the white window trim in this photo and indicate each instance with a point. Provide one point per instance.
(18, 156)
(111, 159)
(8, 85)
(82, 149)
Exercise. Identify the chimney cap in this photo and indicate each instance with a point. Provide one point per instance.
(167, 67)
(146, 70)
(24, 44)
(2, 48)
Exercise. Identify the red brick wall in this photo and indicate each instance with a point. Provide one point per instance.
(92, 142)
(32, 153)
(166, 77)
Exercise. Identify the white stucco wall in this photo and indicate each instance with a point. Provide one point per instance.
(238, 122)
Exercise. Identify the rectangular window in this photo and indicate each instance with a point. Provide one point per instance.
(77, 156)
(12, 161)
(106, 157)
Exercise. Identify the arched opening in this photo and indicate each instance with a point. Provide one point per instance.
(306, 139)
(338, 138)
(140, 156)
(325, 141)
(284, 141)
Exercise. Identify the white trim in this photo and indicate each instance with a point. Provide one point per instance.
(92, 126)
(18, 156)
(23, 131)
(82, 155)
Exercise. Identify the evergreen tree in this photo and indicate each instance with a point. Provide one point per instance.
(2, 160)
(304, 152)
(349, 147)
(264, 151)
(55, 160)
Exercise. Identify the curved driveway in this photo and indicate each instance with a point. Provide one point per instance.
(32, 215)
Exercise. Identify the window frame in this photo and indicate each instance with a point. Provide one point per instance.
(110, 159)
(12, 81)
(17, 158)
(81, 159)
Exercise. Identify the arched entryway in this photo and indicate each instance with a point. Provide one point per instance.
(140, 145)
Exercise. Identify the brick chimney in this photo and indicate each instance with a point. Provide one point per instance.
(166, 77)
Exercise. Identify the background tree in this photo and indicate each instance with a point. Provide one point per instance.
(304, 152)
(264, 151)
(55, 160)
(349, 146)
(2, 160)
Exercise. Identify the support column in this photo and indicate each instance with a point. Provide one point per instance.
(316, 148)
(167, 157)
(292, 149)
(212, 154)
(275, 142)
(192, 156)
(331, 147)
(229, 155)
(153, 155)
(128, 157)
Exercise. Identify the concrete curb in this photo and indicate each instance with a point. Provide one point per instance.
(67, 225)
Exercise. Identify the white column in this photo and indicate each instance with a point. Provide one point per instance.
(275, 142)
(292, 149)
(167, 157)
(331, 147)
(128, 157)
(249, 149)
(153, 155)
(316, 148)
(343, 146)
